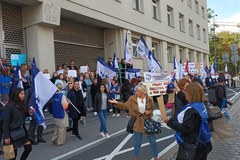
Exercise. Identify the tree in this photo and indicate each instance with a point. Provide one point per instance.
(223, 42)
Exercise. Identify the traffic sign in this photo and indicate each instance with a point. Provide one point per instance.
(225, 57)
(235, 58)
(234, 47)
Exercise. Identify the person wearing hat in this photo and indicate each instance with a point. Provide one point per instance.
(140, 106)
(3, 102)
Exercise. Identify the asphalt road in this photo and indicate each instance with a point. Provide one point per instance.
(93, 147)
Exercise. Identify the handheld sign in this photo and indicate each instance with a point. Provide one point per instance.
(162, 108)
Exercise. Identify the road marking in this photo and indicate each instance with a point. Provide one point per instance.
(117, 149)
(131, 148)
(85, 146)
(166, 149)
(232, 90)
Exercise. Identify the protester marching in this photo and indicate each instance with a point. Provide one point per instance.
(114, 89)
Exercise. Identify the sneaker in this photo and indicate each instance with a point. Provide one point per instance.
(118, 115)
(107, 136)
(88, 109)
(91, 108)
(114, 115)
(110, 110)
(34, 142)
(72, 134)
(102, 135)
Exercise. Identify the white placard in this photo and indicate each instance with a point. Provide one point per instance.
(154, 77)
(156, 88)
(47, 75)
(60, 71)
(83, 69)
(72, 73)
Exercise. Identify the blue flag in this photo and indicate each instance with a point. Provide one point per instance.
(17, 82)
(42, 90)
(132, 73)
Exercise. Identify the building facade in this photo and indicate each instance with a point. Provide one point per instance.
(57, 31)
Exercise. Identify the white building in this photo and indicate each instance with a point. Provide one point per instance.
(56, 31)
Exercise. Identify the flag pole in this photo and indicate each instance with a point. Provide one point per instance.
(71, 104)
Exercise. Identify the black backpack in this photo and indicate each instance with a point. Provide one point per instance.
(212, 96)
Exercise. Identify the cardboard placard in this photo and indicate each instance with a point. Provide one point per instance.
(162, 108)
(171, 97)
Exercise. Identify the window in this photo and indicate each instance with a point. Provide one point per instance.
(203, 12)
(181, 22)
(190, 25)
(170, 16)
(156, 9)
(170, 53)
(189, 3)
(155, 48)
(138, 5)
(181, 55)
(204, 35)
(197, 6)
(134, 46)
(198, 32)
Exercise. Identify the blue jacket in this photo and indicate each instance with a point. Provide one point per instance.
(57, 108)
(5, 84)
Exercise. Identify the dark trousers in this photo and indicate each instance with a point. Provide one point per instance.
(202, 151)
(116, 110)
(75, 127)
(32, 128)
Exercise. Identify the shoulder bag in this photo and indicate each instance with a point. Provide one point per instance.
(18, 133)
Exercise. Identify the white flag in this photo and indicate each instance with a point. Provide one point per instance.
(104, 71)
(153, 65)
(127, 52)
(142, 48)
(132, 73)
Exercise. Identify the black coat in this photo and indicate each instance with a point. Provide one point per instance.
(81, 107)
(220, 95)
(98, 102)
(13, 119)
(189, 129)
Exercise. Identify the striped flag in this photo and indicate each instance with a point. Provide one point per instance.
(104, 71)
(42, 90)
(127, 52)
(142, 48)
(132, 73)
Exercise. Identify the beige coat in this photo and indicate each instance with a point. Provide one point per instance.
(132, 106)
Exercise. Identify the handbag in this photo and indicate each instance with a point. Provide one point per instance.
(152, 127)
(9, 151)
(130, 125)
(18, 133)
(186, 151)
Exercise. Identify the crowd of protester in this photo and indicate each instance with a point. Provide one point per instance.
(78, 96)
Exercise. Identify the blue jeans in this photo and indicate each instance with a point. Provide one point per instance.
(138, 143)
(226, 114)
(102, 115)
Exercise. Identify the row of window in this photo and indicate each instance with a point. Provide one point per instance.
(171, 51)
(138, 5)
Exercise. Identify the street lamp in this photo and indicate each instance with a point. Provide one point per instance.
(214, 35)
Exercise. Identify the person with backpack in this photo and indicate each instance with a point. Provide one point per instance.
(191, 126)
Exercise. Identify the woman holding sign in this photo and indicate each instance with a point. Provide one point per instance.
(140, 106)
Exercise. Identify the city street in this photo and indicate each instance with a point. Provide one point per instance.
(93, 147)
